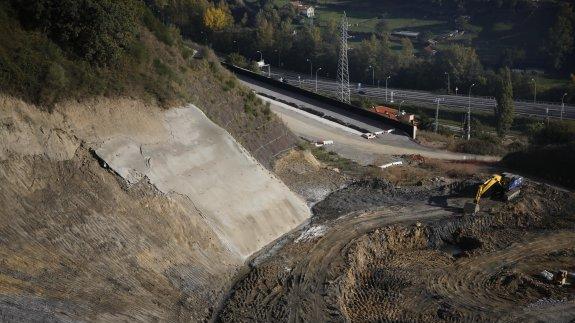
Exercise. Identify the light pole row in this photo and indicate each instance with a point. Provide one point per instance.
(468, 135)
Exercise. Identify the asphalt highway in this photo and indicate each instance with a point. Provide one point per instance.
(423, 98)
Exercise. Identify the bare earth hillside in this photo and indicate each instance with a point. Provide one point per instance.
(114, 210)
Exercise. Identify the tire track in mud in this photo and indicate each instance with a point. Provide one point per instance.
(475, 284)
(304, 292)
(308, 302)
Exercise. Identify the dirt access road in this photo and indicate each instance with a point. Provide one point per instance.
(379, 264)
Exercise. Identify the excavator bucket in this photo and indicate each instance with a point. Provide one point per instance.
(470, 208)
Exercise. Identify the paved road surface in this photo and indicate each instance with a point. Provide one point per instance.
(478, 104)
(348, 143)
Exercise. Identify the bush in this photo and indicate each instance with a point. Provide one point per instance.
(162, 69)
(553, 162)
(163, 33)
(237, 60)
(478, 146)
(554, 133)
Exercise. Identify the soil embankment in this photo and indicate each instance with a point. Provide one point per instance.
(116, 210)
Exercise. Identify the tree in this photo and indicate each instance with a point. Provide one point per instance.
(382, 27)
(560, 39)
(505, 108)
(217, 19)
(406, 50)
(96, 30)
(462, 64)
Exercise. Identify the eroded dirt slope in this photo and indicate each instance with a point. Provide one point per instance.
(80, 242)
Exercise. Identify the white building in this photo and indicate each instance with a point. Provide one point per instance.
(308, 11)
(405, 33)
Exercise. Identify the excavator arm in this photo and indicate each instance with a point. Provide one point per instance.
(483, 188)
(473, 207)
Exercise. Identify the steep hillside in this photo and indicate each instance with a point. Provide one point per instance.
(113, 209)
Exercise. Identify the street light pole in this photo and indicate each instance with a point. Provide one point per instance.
(534, 90)
(448, 83)
(310, 67)
(316, 79)
(563, 105)
(437, 100)
(469, 113)
(387, 78)
(279, 57)
(372, 74)
(261, 56)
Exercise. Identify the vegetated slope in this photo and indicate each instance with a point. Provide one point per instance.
(80, 242)
(149, 62)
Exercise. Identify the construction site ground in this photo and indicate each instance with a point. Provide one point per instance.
(393, 246)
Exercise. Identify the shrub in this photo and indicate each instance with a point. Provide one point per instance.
(478, 146)
(552, 162)
(162, 69)
(159, 30)
(237, 60)
(554, 133)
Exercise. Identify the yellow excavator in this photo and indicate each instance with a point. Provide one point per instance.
(507, 187)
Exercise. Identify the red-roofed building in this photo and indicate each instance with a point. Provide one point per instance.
(393, 114)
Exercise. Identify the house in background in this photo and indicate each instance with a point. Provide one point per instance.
(303, 9)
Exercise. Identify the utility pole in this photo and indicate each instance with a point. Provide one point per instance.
(448, 84)
(310, 67)
(547, 115)
(469, 113)
(372, 74)
(437, 100)
(299, 80)
(316, 79)
(387, 78)
(534, 90)
(344, 91)
(279, 57)
(563, 105)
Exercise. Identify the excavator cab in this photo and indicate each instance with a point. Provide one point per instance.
(505, 187)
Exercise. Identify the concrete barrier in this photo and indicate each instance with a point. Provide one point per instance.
(334, 104)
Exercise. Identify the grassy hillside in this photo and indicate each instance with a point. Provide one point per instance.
(66, 52)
